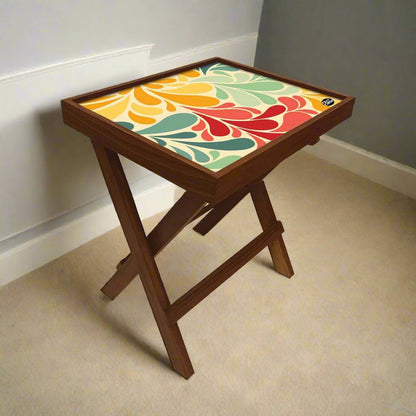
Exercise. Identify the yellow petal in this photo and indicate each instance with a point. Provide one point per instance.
(93, 104)
(114, 110)
(194, 88)
(193, 100)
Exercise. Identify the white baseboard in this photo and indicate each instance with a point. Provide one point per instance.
(70, 231)
(40, 244)
(393, 175)
(240, 48)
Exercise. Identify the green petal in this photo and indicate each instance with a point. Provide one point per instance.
(214, 154)
(289, 90)
(216, 79)
(221, 94)
(242, 97)
(267, 99)
(242, 76)
(222, 163)
(259, 86)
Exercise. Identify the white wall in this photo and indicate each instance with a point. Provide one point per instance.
(41, 32)
(49, 177)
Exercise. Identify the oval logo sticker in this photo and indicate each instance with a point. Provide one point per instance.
(327, 101)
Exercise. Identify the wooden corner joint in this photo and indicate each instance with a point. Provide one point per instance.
(314, 141)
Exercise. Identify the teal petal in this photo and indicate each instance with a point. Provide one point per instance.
(158, 141)
(222, 163)
(171, 123)
(205, 68)
(126, 124)
(182, 153)
(199, 156)
(180, 135)
(225, 67)
(233, 144)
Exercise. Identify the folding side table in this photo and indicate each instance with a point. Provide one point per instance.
(215, 128)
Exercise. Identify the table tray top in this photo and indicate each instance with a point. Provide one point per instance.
(214, 114)
(210, 127)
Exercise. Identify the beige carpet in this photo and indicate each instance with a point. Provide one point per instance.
(339, 338)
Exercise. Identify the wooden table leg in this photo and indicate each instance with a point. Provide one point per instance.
(218, 212)
(126, 272)
(267, 217)
(149, 274)
(169, 226)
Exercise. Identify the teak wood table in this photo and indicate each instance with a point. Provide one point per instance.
(215, 128)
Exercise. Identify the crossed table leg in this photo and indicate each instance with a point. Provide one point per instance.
(141, 261)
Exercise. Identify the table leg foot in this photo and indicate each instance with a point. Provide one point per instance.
(126, 272)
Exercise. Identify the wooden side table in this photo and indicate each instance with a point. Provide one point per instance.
(215, 128)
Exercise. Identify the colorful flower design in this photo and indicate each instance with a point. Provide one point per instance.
(213, 115)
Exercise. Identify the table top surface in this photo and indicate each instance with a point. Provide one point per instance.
(211, 127)
(213, 114)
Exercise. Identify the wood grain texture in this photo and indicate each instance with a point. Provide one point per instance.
(125, 274)
(219, 212)
(149, 274)
(217, 192)
(165, 231)
(201, 290)
(185, 209)
(267, 218)
(211, 186)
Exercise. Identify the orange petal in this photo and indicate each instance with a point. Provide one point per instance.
(124, 92)
(140, 119)
(191, 74)
(316, 104)
(153, 85)
(144, 97)
(166, 80)
(170, 106)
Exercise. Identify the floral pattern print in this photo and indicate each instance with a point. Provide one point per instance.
(213, 115)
